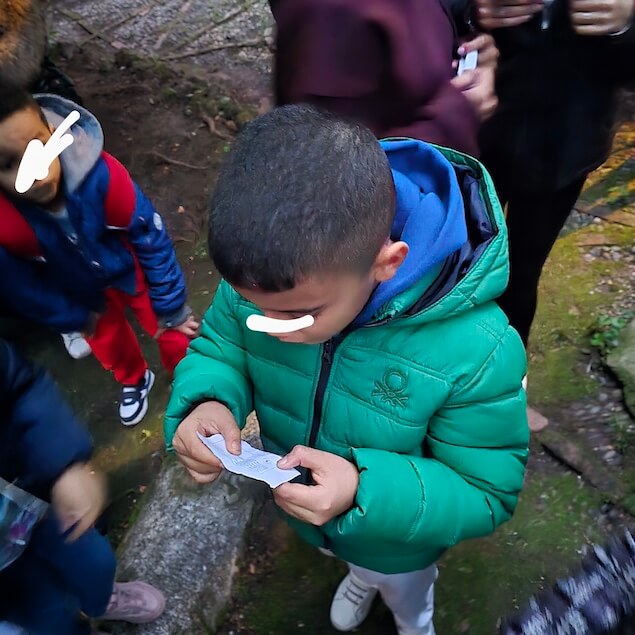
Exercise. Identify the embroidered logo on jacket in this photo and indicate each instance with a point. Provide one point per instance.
(392, 388)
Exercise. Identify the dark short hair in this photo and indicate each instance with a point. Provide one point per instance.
(301, 192)
(15, 98)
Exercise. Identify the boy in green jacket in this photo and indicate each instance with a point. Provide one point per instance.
(403, 399)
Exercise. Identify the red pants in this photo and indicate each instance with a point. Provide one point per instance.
(115, 344)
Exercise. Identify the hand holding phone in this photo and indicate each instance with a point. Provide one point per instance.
(467, 62)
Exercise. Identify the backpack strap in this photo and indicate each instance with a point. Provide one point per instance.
(16, 235)
(120, 201)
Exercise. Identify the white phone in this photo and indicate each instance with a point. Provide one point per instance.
(467, 62)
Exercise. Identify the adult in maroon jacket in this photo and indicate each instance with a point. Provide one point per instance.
(386, 63)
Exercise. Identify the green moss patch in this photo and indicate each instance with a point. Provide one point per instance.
(480, 580)
(568, 309)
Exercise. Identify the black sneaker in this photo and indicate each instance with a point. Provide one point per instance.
(134, 400)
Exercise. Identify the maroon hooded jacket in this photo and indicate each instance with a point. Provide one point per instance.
(384, 62)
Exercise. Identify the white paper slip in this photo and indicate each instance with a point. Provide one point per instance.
(251, 462)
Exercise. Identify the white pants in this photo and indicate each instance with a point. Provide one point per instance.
(410, 596)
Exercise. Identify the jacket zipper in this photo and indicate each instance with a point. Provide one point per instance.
(323, 378)
(328, 353)
(325, 371)
(326, 365)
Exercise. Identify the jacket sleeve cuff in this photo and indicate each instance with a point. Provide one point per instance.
(379, 473)
(202, 388)
(174, 319)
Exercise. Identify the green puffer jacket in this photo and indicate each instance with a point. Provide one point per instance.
(426, 400)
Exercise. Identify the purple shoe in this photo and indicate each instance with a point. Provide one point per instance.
(134, 602)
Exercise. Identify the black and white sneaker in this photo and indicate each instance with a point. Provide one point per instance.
(134, 400)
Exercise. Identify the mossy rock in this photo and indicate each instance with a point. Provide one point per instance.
(568, 309)
(622, 363)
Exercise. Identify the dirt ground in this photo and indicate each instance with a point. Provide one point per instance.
(166, 129)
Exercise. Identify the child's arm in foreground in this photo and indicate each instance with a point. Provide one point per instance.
(50, 448)
(212, 391)
(466, 486)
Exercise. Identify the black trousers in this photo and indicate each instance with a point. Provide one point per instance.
(534, 221)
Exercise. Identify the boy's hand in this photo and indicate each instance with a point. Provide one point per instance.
(336, 483)
(601, 17)
(209, 418)
(497, 14)
(78, 497)
(189, 327)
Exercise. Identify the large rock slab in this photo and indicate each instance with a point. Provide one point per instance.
(622, 363)
(186, 541)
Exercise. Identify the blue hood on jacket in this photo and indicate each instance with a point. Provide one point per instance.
(430, 217)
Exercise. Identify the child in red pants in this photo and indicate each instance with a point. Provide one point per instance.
(83, 244)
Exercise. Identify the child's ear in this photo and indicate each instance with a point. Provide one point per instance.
(389, 259)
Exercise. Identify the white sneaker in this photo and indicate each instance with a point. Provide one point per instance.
(76, 345)
(134, 400)
(351, 603)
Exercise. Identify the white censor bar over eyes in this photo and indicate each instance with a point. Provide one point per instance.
(38, 157)
(263, 324)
